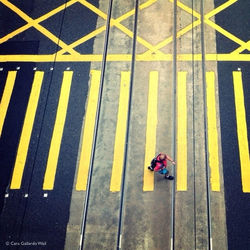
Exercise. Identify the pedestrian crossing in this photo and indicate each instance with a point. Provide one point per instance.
(85, 150)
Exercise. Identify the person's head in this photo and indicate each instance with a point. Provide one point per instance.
(162, 156)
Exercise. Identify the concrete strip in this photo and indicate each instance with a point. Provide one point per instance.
(218, 212)
(147, 215)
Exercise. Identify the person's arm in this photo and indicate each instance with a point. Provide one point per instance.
(170, 159)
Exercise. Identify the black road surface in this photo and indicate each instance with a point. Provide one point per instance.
(44, 219)
(234, 19)
(37, 218)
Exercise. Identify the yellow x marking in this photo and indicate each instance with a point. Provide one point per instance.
(198, 22)
(38, 20)
(113, 22)
(243, 45)
(34, 23)
(152, 54)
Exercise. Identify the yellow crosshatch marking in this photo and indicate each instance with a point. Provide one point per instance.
(152, 53)
(37, 26)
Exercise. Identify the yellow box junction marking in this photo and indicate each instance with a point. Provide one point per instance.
(213, 147)
(242, 131)
(55, 144)
(148, 179)
(26, 131)
(121, 128)
(39, 27)
(38, 20)
(88, 132)
(153, 52)
(4, 104)
(181, 132)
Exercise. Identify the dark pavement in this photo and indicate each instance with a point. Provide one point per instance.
(235, 20)
(43, 215)
(37, 218)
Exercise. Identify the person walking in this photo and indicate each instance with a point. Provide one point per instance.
(159, 164)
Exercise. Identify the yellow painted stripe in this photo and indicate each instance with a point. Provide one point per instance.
(38, 20)
(40, 28)
(170, 39)
(242, 131)
(26, 131)
(181, 132)
(88, 132)
(121, 129)
(220, 8)
(148, 179)
(213, 148)
(6, 97)
(187, 9)
(55, 144)
(125, 57)
(225, 32)
(103, 28)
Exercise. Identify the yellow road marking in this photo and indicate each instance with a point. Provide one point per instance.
(242, 131)
(181, 132)
(180, 32)
(170, 39)
(121, 128)
(88, 132)
(84, 39)
(213, 148)
(224, 32)
(148, 179)
(220, 8)
(38, 20)
(57, 132)
(187, 9)
(242, 48)
(40, 28)
(6, 97)
(69, 48)
(125, 58)
(114, 22)
(26, 131)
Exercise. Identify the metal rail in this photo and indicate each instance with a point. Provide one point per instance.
(205, 126)
(174, 123)
(120, 225)
(86, 201)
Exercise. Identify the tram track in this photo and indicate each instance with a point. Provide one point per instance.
(103, 68)
(123, 181)
(210, 245)
(174, 121)
(119, 234)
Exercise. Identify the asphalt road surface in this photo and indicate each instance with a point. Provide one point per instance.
(85, 106)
